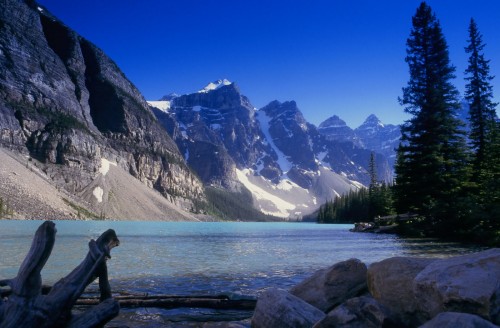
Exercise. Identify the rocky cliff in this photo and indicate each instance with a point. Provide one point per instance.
(66, 105)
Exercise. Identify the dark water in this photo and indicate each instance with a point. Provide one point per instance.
(186, 258)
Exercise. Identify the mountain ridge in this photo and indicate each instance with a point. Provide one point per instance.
(263, 150)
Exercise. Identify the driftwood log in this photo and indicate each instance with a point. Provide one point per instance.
(221, 302)
(27, 306)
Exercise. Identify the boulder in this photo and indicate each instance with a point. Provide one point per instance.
(279, 309)
(390, 282)
(458, 320)
(468, 284)
(330, 287)
(358, 312)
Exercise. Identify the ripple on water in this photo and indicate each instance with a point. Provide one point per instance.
(208, 258)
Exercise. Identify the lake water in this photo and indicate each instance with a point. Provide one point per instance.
(192, 258)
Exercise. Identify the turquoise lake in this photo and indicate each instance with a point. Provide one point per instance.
(188, 258)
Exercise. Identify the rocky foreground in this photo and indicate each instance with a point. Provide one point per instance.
(461, 291)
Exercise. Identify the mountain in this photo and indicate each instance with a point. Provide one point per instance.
(334, 128)
(372, 135)
(380, 138)
(77, 139)
(67, 111)
(273, 152)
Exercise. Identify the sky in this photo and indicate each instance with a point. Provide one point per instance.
(332, 57)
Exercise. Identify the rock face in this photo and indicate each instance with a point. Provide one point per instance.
(67, 105)
(469, 283)
(278, 309)
(216, 125)
(329, 287)
(390, 282)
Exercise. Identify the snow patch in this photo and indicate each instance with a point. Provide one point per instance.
(104, 169)
(286, 184)
(283, 162)
(164, 106)
(215, 85)
(282, 207)
(98, 193)
(357, 184)
(196, 108)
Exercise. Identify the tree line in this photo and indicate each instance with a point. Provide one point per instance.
(360, 205)
(449, 179)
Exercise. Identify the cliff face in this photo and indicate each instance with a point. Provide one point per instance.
(67, 105)
(217, 132)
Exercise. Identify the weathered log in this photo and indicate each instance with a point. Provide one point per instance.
(128, 300)
(27, 306)
(172, 301)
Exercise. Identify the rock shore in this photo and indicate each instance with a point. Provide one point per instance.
(462, 291)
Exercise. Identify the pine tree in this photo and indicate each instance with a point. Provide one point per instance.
(489, 191)
(431, 158)
(373, 192)
(479, 95)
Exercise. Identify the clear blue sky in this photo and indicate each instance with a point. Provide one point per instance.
(331, 57)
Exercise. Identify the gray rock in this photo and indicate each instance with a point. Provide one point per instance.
(391, 283)
(66, 104)
(279, 309)
(469, 284)
(329, 287)
(458, 320)
(358, 312)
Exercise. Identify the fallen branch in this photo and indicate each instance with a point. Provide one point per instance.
(27, 306)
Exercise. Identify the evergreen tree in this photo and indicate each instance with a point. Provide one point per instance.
(488, 211)
(479, 95)
(373, 192)
(431, 158)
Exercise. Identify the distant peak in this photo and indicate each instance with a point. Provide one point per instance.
(373, 120)
(333, 121)
(215, 85)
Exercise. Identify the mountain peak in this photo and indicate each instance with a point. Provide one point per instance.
(215, 85)
(373, 120)
(333, 121)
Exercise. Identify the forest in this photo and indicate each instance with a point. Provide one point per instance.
(446, 178)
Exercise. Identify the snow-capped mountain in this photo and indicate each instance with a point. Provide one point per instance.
(215, 85)
(287, 165)
(372, 135)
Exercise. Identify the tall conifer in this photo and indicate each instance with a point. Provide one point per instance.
(431, 158)
(479, 95)
(373, 190)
